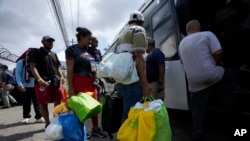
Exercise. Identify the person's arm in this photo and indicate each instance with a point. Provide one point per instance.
(218, 57)
(161, 77)
(70, 67)
(19, 74)
(37, 76)
(141, 70)
(60, 74)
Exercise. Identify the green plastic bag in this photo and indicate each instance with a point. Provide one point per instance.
(163, 130)
(85, 106)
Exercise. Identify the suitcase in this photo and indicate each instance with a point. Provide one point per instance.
(112, 113)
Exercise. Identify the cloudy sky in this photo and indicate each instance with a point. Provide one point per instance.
(24, 22)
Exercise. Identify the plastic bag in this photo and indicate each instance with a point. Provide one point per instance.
(54, 131)
(120, 67)
(84, 106)
(163, 129)
(146, 121)
(139, 126)
(73, 129)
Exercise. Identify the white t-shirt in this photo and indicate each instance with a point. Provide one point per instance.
(196, 52)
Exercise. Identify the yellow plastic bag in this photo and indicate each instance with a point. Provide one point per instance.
(139, 126)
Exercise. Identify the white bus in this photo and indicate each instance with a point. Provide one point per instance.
(165, 21)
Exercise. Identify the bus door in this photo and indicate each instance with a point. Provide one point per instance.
(161, 24)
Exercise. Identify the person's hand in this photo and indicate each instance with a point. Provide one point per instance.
(109, 80)
(71, 92)
(62, 80)
(147, 90)
(43, 84)
(22, 89)
(160, 87)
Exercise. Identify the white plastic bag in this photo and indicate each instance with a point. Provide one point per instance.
(54, 131)
(120, 67)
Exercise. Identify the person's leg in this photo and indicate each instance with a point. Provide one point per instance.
(96, 131)
(36, 106)
(11, 98)
(45, 113)
(43, 98)
(198, 106)
(131, 94)
(95, 118)
(5, 97)
(26, 104)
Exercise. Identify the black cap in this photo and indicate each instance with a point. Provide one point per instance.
(48, 38)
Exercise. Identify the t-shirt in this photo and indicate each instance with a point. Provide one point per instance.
(20, 75)
(82, 59)
(134, 36)
(153, 60)
(95, 53)
(196, 52)
(8, 78)
(47, 64)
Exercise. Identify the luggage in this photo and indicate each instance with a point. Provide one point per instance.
(112, 113)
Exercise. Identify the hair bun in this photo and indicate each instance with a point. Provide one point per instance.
(78, 29)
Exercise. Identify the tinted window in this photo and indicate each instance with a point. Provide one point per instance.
(159, 25)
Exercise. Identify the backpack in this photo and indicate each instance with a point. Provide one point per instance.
(26, 64)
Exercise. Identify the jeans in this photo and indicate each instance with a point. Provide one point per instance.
(200, 99)
(131, 94)
(28, 96)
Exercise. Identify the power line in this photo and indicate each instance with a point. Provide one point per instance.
(71, 16)
(53, 16)
(59, 17)
(78, 9)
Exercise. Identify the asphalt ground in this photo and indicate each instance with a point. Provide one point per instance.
(11, 128)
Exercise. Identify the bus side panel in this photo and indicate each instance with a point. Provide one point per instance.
(175, 86)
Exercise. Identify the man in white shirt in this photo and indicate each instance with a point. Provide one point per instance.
(201, 55)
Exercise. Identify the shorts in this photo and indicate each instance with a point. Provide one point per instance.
(49, 95)
(84, 84)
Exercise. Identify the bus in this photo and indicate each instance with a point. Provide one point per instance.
(165, 22)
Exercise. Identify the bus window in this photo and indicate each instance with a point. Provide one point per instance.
(163, 31)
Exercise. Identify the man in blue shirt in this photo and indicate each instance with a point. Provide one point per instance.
(8, 81)
(155, 68)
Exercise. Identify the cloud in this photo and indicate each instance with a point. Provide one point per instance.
(24, 22)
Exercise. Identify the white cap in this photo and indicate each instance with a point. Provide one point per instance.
(136, 16)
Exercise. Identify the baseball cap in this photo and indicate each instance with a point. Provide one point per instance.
(47, 38)
(136, 16)
(150, 40)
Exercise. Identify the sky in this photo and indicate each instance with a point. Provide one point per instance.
(24, 22)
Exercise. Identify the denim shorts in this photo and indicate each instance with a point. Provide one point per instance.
(131, 94)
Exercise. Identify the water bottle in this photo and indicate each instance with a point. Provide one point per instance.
(42, 88)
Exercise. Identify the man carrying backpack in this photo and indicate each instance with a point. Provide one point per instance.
(45, 66)
(7, 82)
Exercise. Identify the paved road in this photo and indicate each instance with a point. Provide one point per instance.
(12, 130)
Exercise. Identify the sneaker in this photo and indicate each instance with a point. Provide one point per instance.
(25, 121)
(40, 120)
(98, 133)
(88, 136)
